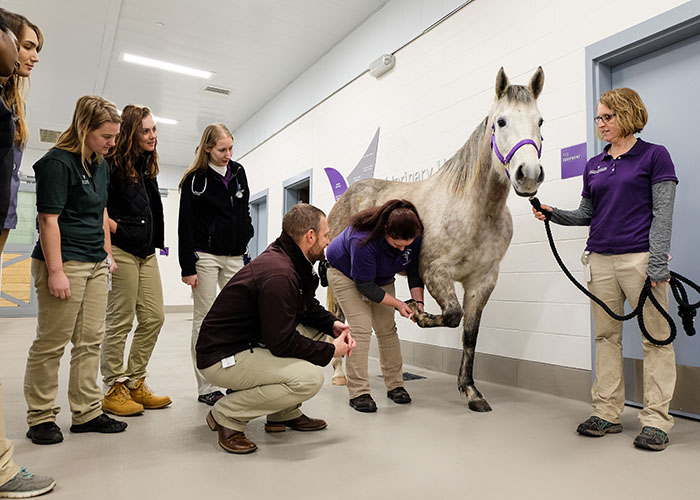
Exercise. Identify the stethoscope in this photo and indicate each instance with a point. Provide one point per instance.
(239, 189)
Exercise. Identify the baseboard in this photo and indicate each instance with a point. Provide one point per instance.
(562, 381)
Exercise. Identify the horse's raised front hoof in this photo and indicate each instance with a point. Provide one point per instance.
(423, 319)
(479, 405)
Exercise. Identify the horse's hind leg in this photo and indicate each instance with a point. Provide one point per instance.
(441, 286)
(474, 302)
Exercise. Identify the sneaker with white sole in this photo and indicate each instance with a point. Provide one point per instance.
(26, 485)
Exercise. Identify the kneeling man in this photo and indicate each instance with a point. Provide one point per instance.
(249, 340)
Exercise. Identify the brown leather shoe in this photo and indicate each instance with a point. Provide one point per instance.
(302, 423)
(230, 440)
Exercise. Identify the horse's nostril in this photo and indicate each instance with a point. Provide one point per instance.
(540, 178)
(519, 174)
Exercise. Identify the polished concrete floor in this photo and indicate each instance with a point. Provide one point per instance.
(434, 448)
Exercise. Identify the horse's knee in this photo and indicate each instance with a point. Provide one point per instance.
(452, 317)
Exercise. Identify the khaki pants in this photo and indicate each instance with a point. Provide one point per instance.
(264, 385)
(8, 469)
(80, 320)
(136, 290)
(614, 278)
(212, 271)
(363, 315)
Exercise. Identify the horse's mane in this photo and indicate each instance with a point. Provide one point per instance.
(464, 167)
(461, 170)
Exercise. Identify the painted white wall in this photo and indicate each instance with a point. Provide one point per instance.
(440, 89)
(396, 24)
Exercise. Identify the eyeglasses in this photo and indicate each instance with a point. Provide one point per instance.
(606, 118)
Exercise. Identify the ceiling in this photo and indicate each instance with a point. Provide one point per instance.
(254, 47)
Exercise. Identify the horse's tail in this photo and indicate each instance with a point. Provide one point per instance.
(333, 306)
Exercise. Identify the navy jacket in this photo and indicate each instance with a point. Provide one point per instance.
(212, 218)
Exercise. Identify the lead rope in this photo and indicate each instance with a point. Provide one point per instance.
(686, 310)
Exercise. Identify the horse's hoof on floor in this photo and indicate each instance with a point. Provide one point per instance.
(479, 405)
(339, 380)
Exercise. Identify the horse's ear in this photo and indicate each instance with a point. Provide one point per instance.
(537, 82)
(502, 83)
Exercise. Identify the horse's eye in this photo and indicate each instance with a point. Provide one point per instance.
(501, 122)
(539, 124)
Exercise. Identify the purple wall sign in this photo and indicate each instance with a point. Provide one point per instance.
(363, 170)
(165, 251)
(573, 160)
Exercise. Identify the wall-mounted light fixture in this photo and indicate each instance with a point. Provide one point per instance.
(380, 66)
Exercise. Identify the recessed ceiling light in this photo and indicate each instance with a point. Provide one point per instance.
(166, 66)
(167, 121)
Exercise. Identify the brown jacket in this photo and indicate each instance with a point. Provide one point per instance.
(262, 305)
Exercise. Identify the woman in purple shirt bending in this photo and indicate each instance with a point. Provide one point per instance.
(627, 199)
(377, 244)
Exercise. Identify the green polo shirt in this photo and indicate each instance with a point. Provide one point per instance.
(63, 187)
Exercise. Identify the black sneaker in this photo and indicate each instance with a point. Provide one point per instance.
(102, 424)
(364, 403)
(211, 398)
(399, 395)
(651, 438)
(45, 433)
(596, 427)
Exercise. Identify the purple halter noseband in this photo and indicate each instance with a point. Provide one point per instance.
(505, 161)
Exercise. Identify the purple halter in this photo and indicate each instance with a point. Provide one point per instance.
(505, 161)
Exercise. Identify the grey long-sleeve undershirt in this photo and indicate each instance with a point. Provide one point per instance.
(663, 195)
(374, 293)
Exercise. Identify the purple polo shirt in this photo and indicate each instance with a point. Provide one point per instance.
(620, 193)
(376, 261)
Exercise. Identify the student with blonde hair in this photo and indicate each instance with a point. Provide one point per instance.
(214, 228)
(15, 482)
(30, 41)
(70, 264)
(137, 229)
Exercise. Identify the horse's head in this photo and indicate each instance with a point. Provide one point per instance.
(516, 141)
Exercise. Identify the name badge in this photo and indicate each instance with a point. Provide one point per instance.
(228, 362)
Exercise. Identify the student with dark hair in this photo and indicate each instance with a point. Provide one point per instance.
(137, 229)
(251, 340)
(15, 482)
(377, 244)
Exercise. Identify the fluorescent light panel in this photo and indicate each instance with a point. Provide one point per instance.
(166, 66)
(167, 121)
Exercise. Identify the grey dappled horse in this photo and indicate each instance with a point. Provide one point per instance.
(468, 226)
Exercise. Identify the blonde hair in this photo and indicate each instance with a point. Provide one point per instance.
(210, 137)
(91, 112)
(629, 110)
(13, 88)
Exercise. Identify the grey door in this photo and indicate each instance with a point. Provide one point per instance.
(258, 212)
(669, 90)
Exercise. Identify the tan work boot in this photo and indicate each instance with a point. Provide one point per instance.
(118, 402)
(142, 394)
